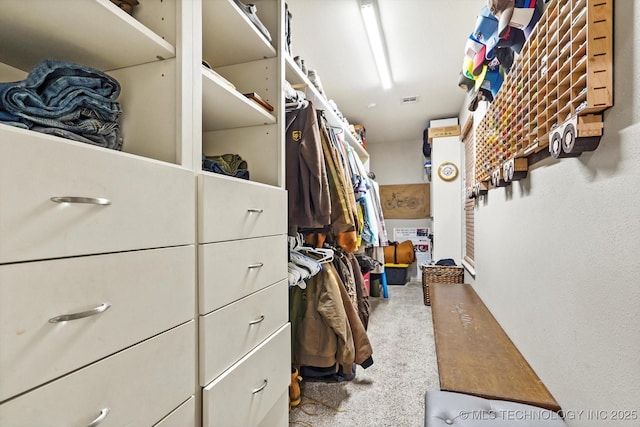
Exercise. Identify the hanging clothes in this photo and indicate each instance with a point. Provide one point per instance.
(343, 213)
(345, 271)
(362, 346)
(364, 307)
(321, 333)
(306, 180)
(326, 327)
(383, 240)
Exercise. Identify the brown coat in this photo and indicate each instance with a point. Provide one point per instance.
(306, 176)
(321, 332)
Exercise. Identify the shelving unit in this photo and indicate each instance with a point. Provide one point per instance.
(98, 255)
(295, 76)
(243, 42)
(240, 54)
(167, 263)
(242, 224)
(223, 107)
(563, 79)
(43, 29)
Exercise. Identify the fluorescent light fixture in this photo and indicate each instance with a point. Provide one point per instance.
(372, 25)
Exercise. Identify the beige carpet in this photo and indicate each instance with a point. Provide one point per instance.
(391, 391)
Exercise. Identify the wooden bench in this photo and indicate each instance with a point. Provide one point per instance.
(475, 356)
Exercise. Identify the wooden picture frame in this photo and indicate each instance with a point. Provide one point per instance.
(405, 201)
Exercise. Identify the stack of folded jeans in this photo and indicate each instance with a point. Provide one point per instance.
(226, 164)
(65, 99)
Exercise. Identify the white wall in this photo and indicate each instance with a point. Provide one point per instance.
(447, 201)
(558, 256)
(400, 163)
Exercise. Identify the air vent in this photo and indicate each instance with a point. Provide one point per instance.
(409, 99)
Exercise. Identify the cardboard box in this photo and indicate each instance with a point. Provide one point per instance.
(443, 122)
(444, 131)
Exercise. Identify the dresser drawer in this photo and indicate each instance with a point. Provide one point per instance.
(246, 322)
(231, 208)
(148, 291)
(244, 395)
(231, 270)
(152, 204)
(183, 416)
(278, 415)
(136, 387)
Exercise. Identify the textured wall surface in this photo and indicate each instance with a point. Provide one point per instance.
(558, 258)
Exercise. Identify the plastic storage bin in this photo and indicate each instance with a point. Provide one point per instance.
(396, 273)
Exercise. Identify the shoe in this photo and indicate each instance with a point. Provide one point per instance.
(295, 396)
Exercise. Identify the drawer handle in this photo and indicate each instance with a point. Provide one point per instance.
(259, 389)
(254, 210)
(257, 265)
(101, 417)
(89, 200)
(74, 316)
(258, 320)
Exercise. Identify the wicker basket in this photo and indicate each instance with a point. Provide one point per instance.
(439, 274)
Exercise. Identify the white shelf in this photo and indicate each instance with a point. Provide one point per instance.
(294, 76)
(229, 37)
(96, 33)
(223, 107)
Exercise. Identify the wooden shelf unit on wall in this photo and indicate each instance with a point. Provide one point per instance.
(556, 90)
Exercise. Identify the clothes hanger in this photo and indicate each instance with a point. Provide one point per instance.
(338, 130)
(297, 105)
(309, 265)
(295, 277)
(322, 255)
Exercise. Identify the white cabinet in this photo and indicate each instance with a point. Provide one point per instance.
(129, 277)
(124, 298)
(75, 199)
(250, 209)
(231, 270)
(246, 392)
(242, 225)
(247, 322)
(162, 367)
(97, 246)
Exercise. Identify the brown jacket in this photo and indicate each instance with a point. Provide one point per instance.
(306, 176)
(321, 333)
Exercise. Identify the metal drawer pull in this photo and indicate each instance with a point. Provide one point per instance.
(259, 389)
(74, 316)
(256, 265)
(254, 210)
(258, 320)
(101, 417)
(89, 200)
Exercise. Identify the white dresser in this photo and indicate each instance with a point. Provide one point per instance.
(136, 289)
(245, 344)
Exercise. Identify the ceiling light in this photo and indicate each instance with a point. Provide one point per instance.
(372, 25)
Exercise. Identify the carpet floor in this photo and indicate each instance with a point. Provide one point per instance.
(391, 391)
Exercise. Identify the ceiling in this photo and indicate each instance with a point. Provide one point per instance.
(425, 40)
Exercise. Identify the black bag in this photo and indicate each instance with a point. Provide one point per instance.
(367, 263)
(426, 147)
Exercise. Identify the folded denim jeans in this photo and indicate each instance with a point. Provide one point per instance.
(65, 99)
(58, 89)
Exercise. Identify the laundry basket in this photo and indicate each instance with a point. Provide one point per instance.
(439, 274)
